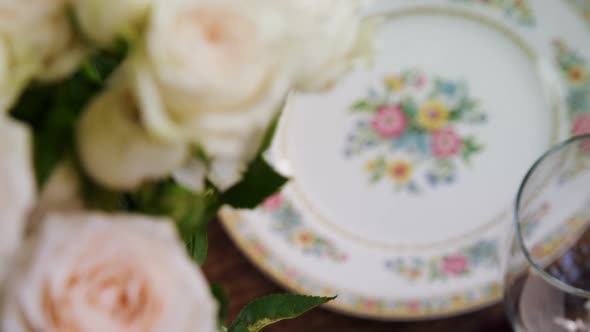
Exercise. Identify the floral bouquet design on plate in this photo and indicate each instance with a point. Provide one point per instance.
(574, 71)
(411, 127)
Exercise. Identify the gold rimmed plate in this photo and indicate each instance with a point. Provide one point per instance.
(403, 175)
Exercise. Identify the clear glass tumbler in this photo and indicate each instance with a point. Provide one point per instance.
(547, 265)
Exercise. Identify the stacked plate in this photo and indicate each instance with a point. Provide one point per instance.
(403, 175)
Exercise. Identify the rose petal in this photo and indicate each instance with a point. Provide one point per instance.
(104, 20)
(62, 192)
(191, 175)
(17, 187)
(114, 148)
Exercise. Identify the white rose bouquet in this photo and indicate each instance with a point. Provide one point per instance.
(124, 126)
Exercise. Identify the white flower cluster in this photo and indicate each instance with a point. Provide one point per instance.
(206, 75)
(209, 74)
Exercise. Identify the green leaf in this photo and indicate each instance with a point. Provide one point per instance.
(375, 178)
(259, 182)
(52, 110)
(199, 153)
(270, 131)
(191, 211)
(273, 308)
(471, 104)
(409, 107)
(197, 244)
(362, 106)
(97, 197)
(470, 147)
(91, 72)
(455, 114)
(222, 300)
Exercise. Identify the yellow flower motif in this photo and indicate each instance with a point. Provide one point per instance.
(458, 301)
(371, 165)
(577, 74)
(414, 274)
(519, 4)
(394, 83)
(400, 171)
(305, 239)
(433, 115)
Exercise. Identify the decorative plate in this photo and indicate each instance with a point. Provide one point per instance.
(403, 175)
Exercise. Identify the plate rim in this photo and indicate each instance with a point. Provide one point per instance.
(230, 225)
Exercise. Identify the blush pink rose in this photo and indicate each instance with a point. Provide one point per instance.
(390, 121)
(97, 272)
(17, 187)
(454, 265)
(446, 143)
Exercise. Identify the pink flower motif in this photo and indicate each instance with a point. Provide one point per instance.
(455, 265)
(273, 202)
(390, 121)
(413, 306)
(371, 304)
(291, 274)
(582, 127)
(446, 143)
(260, 249)
(421, 81)
(582, 124)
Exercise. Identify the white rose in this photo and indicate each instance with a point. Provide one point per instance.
(36, 41)
(329, 37)
(17, 187)
(116, 150)
(214, 73)
(104, 20)
(99, 273)
(10, 84)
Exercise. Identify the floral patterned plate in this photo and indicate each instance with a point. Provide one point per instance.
(403, 175)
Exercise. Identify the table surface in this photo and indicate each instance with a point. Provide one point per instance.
(227, 266)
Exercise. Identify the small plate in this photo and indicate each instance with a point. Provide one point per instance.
(403, 175)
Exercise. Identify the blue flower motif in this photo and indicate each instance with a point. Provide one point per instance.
(413, 142)
(448, 88)
(413, 188)
(484, 252)
(431, 178)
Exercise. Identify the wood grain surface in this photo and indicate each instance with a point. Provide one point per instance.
(228, 267)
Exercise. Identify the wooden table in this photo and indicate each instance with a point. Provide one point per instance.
(228, 266)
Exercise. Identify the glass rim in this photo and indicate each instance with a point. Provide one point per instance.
(548, 277)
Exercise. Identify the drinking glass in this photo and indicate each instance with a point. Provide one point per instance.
(547, 262)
